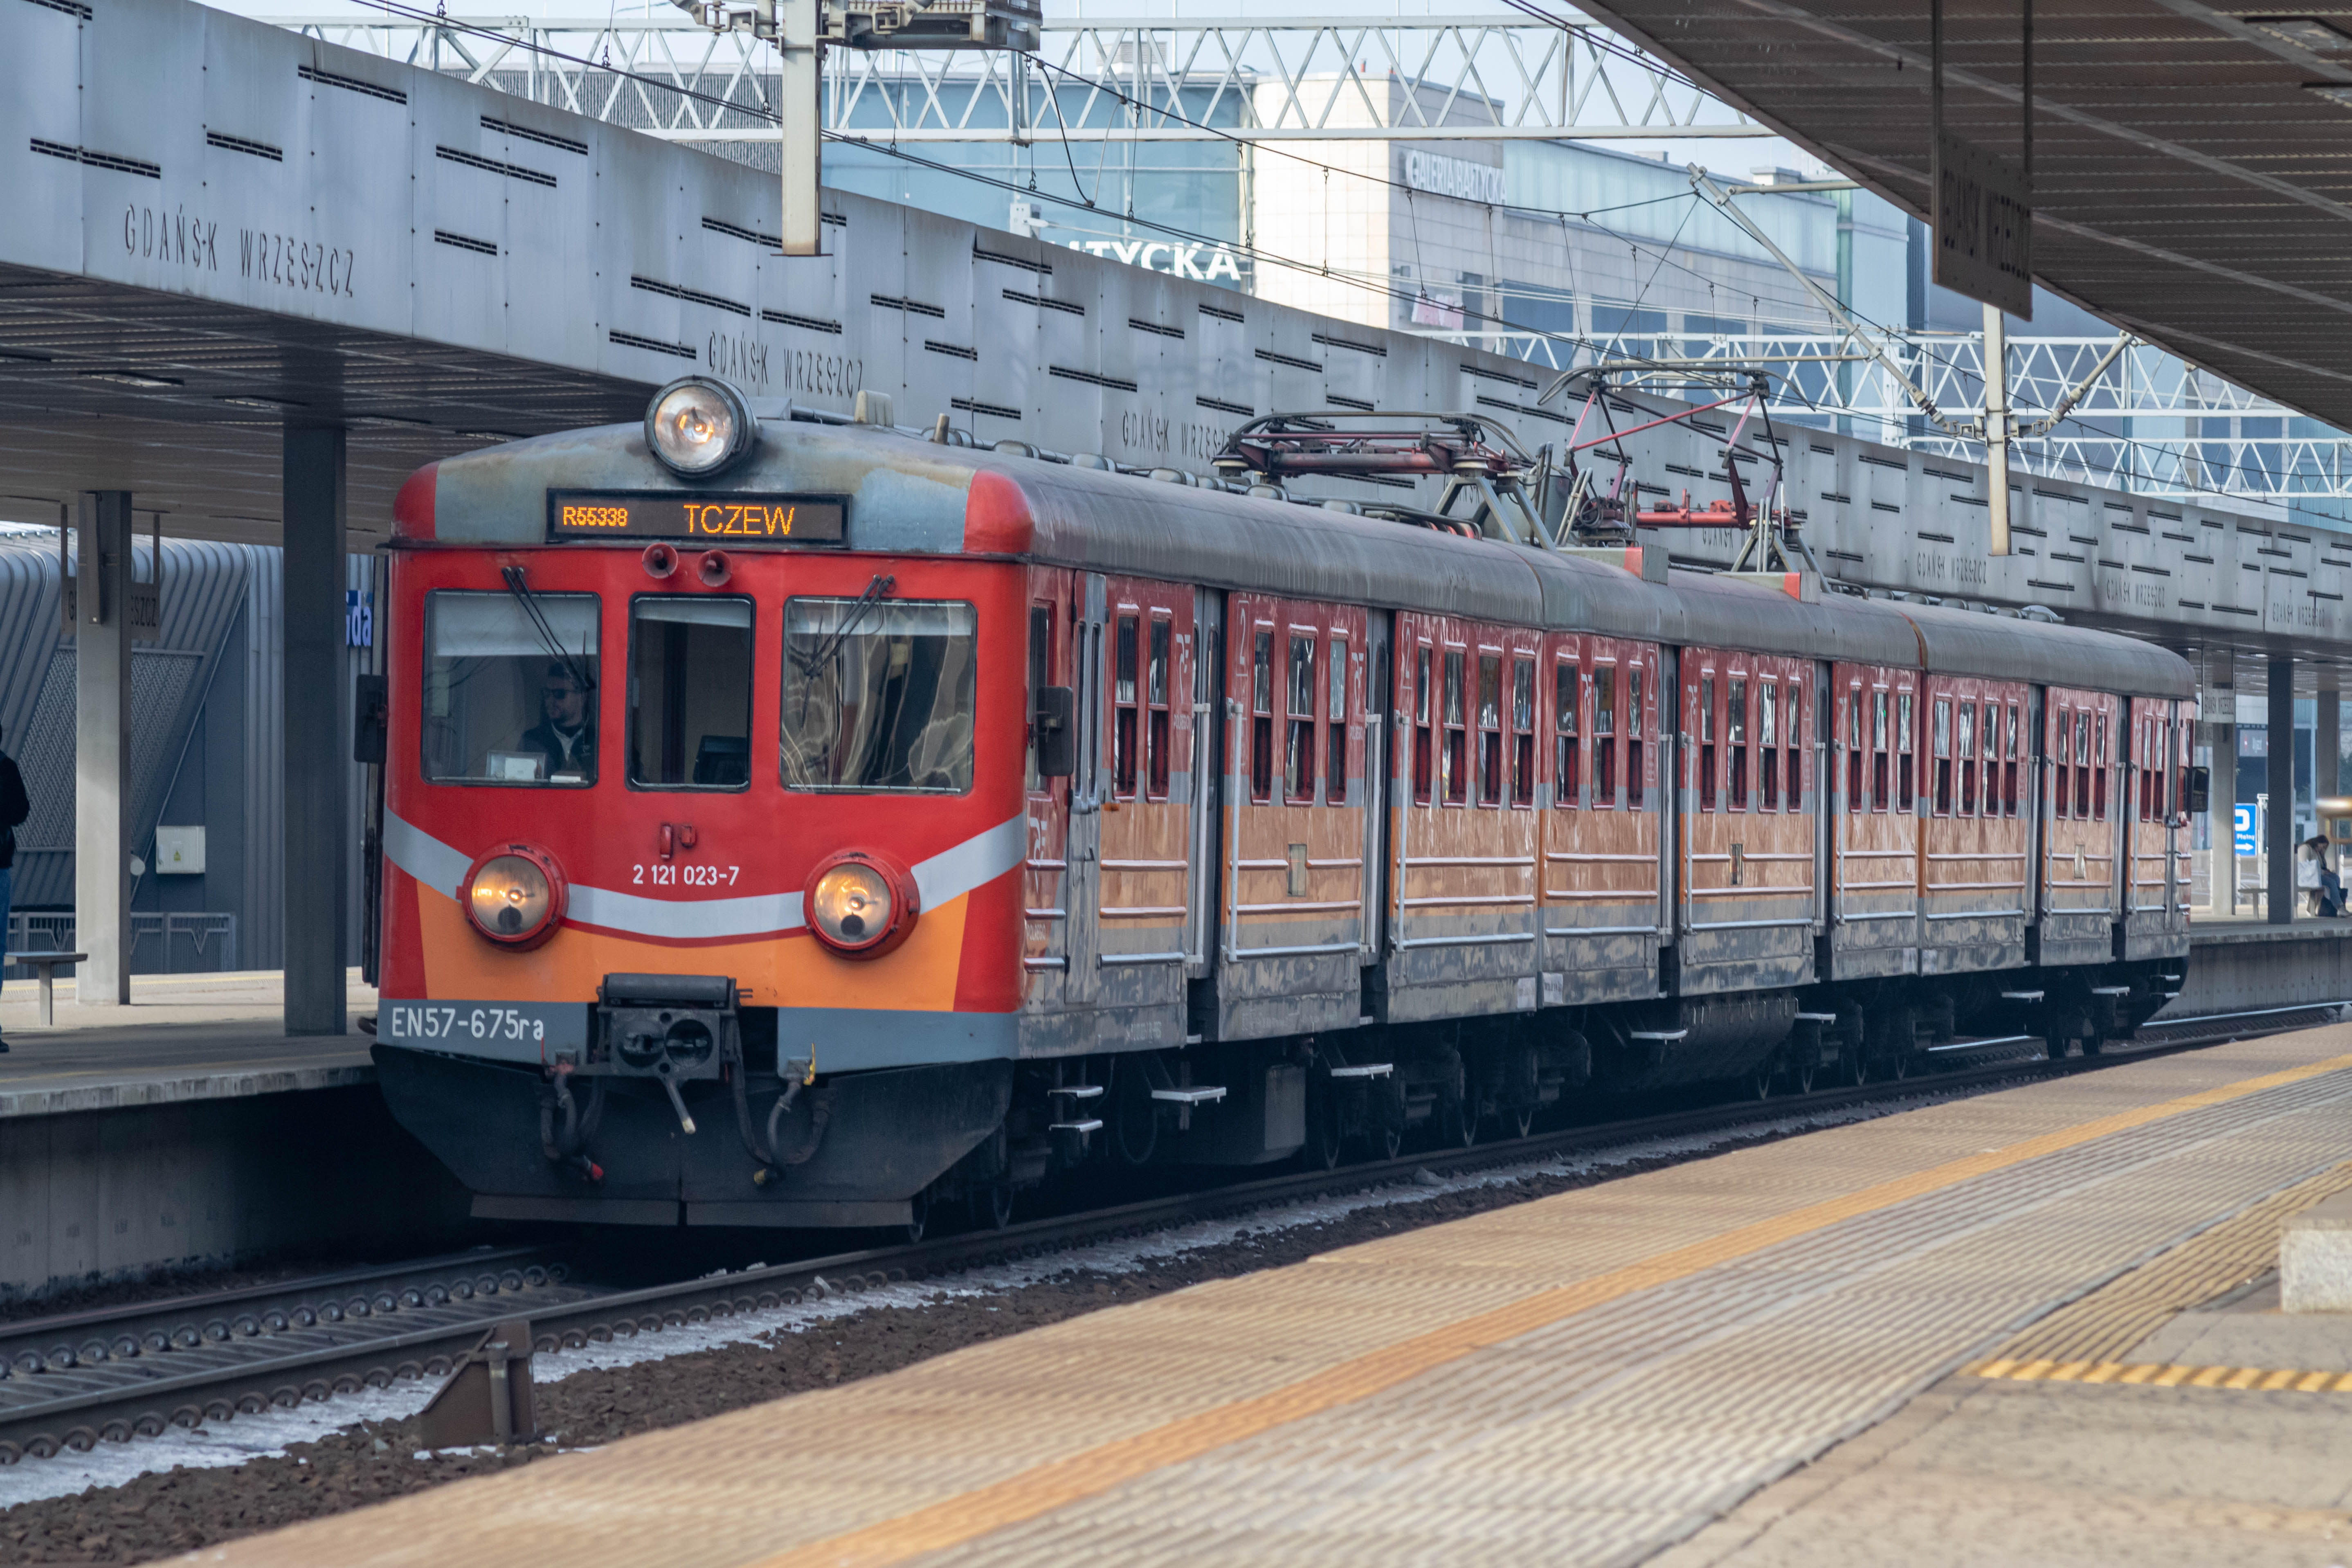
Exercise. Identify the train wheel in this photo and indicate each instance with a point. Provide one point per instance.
(992, 1205)
(1766, 1072)
(1805, 1079)
(1390, 1140)
(1523, 1118)
(919, 1212)
(1325, 1136)
(1457, 1115)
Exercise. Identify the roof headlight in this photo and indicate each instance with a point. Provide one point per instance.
(699, 427)
(515, 895)
(860, 906)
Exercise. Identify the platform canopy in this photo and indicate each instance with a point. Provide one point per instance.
(2192, 176)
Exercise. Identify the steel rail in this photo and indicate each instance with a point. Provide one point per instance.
(80, 1420)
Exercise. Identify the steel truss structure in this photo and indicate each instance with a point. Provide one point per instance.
(1297, 78)
(2151, 424)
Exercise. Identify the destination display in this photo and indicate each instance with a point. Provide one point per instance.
(732, 518)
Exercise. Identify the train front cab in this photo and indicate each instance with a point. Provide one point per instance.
(750, 722)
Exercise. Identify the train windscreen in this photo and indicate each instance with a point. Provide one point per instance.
(879, 695)
(501, 705)
(689, 692)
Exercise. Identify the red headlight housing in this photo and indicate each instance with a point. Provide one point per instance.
(859, 904)
(514, 895)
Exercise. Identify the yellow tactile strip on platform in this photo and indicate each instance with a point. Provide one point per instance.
(2160, 1374)
(1465, 1328)
(2108, 1322)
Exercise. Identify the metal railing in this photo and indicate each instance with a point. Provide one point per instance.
(207, 938)
(2151, 424)
(1308, 78)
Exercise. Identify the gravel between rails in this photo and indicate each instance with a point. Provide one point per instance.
(260, 1473)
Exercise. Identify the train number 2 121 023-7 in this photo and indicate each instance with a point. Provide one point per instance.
(663, 874)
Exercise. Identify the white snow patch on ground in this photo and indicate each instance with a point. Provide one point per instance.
(266, 1435)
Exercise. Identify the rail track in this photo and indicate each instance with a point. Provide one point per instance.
(72, 1382)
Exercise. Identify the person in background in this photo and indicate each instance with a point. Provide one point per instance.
(2318, 879)
(15, 807)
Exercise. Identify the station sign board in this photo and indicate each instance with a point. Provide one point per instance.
(1984, 226)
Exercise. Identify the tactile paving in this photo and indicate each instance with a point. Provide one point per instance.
(1583, 1378)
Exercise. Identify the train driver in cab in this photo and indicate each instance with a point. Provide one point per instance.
(565, 735)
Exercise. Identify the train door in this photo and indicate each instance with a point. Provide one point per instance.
(1463, 930)
(1974, 855)
(1201, 789)
(1082, 882)
(2155, 872)
(2080, 870)
(1745, 840)
(1874, 838)
(1296, 826)
(1600, 906)
(1044, 945)
(1144, 883)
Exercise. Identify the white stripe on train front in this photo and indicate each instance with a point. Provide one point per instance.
(945, 877)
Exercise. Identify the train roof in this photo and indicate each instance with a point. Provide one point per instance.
(911, 496)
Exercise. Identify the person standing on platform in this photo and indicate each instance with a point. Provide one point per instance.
(15, 807)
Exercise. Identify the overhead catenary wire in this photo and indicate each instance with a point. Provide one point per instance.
(1257, 253)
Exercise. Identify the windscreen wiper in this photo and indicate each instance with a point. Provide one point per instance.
(817, 658)
(819, 655)
(529, 602)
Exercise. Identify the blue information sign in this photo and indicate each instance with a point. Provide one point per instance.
(2243, 823)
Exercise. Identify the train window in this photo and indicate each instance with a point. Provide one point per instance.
(2082, 762)
(1706, 742)
(1125, 656)
(1879, 778)
(1604, 735)
(1566, 778)
(1941, 738)
(1855, 751)
(1299, 771)
(2062, 756)
(1423, 740)
(1736, 736)
(1155, 696)
(1490, 729)
(1964, 736)
(1452, 763)
(1990, 735)
(2009, 767)
(501, 706)
(1768, 746)
(1793, 737)
(879, 695)
(1523, 731)
(1906, 732)
(1041, 650)
(1261, 715)
(2099, 776)
(1335, 776)
(690, 693)
(1637, 783)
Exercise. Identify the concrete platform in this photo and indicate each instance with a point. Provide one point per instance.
(186, 1131)
(183, 1037)
(1595, 1377)
(2241, 965)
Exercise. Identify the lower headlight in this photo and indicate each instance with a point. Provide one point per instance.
(860, 906)
(514, 895)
